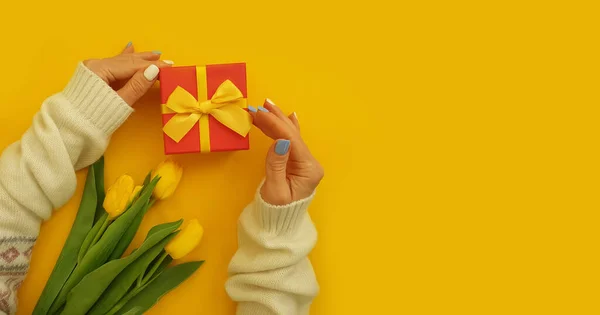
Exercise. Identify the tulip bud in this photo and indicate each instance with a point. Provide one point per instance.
(118, 195)
(170, 175)
(187, 239)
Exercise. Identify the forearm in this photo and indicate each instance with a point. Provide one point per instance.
(37, 173)
(270, 273)
(71, 131)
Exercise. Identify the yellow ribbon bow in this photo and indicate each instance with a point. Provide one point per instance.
(226, 106)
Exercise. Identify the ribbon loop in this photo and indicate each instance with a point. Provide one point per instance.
(226, 106)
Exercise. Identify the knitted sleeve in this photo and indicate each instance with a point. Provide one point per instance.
(270, 273)
(37, 173)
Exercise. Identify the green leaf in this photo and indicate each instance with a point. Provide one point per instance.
(135, 311)
(155, 229)
(119, 287)
(165, 282)
(68, 256)
(87, 243)
(147, 179)
(99, 173)
(86, 293)
(98, 254)
(130, 233)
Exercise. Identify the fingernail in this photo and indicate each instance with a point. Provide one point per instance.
(252, 108)
(295, 115)
(158, 52)
(268, 100)
(129, 44)
(169, 62)
(262, 109)
(151, 72)
(282, 147)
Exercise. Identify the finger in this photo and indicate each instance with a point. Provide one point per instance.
(277, 159)
(128, 49)
(139, 84)
(270, 106)
(149, 55)
(270, 124)
(125, 66)
(294, 119)
(275, 128)
(276, 189)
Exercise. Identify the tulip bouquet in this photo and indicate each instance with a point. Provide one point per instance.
(91, 277)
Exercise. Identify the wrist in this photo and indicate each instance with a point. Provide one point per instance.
(96, 101)
(283, 193)
(283, 218)
(275, 194)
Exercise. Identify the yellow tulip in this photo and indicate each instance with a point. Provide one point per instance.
(118, 195)
(170, 175)
(187, 239)
(135, 192)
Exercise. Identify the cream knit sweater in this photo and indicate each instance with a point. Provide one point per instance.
(270, 273)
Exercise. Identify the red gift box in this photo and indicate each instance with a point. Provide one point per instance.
(208, 134)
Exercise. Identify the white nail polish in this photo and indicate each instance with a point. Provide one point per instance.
(151, 72)
(170, 62)
(268, 100)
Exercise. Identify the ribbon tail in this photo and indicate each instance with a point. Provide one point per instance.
(178, 126)
(204, 134)
(234, 118)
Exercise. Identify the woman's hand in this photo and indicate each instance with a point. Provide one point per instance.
(130, 74)
(292, 172)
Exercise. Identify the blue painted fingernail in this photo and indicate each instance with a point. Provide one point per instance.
(282, 147)
(158, 52)
(252, 108)
(129, 44)
(262, 109)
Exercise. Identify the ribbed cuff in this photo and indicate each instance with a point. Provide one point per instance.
(281, 219)
(96, 101)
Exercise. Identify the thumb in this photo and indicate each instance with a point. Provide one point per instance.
(277, 159)
(139, 84)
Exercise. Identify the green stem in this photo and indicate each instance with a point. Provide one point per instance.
(153, 270)
(101, 231)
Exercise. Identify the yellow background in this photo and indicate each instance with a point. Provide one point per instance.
(459, 140)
